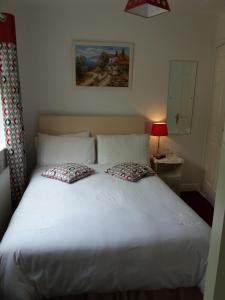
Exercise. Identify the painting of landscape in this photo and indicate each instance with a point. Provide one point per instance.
(102, 65)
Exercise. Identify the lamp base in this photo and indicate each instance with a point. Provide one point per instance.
(159, 156)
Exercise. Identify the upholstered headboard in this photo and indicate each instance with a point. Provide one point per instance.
(64, 124)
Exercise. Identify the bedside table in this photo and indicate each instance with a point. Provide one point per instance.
(169, 169)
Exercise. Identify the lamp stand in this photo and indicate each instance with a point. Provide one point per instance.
(158, 145)
(158, 155)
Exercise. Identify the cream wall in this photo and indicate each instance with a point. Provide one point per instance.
(220, 30)
(45, 35)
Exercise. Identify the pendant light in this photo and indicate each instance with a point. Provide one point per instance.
(147, 8)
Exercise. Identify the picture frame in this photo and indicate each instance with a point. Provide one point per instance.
(103, 64)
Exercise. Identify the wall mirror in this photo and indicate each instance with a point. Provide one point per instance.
(181, 93)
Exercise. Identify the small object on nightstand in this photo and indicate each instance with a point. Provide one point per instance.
(159, 156)
(169, 169)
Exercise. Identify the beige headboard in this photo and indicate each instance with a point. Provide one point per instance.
(61, 124)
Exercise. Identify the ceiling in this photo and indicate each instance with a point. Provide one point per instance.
(199, 7)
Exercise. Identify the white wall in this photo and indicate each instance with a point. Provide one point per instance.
(216, 117)
(5, 195)
(45, 36)
(5, 201)
(216, 271)
(215, 289)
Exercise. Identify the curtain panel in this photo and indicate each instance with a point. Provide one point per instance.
(12, 107)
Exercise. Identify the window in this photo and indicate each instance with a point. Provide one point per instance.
(2, 134)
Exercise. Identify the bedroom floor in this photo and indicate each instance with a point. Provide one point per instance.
(178, 294)
(200, 205)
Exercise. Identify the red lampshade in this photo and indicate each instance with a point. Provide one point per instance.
(159, 129)
(147, 8)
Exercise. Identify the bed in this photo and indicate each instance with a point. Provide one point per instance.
(101, 234)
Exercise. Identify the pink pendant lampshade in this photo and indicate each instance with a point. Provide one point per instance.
(147, 8)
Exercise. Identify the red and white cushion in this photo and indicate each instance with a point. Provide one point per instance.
(130, 171)
(68, 173)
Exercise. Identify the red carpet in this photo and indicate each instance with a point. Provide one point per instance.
(200, 205)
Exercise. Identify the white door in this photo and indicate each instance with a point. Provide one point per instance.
(215, 130)
(181, 96)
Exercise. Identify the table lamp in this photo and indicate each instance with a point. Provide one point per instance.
(159, 129)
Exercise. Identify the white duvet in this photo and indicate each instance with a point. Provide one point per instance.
(100, 234)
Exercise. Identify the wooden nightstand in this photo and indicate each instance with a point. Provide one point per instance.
(169, 169)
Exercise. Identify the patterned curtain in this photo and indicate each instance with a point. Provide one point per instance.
(12, 107)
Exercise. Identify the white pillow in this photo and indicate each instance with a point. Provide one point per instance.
(123, 148)
(80, 134)
(54, 150)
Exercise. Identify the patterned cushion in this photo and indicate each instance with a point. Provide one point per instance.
(68, 173)
(130, 171)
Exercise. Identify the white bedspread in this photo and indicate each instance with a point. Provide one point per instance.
(101, 234)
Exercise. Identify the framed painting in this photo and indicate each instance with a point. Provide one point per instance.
(103, 64)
